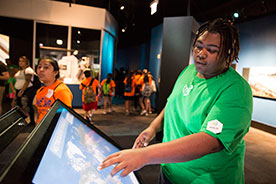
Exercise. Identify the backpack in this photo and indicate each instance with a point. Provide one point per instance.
(88, 93)
(147, 89)
(106, 88)
(128, 87)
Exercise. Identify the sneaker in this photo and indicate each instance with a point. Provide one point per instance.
(143, 112)
(150, 112)
(110, 110)
(104, 112)
(90, 118)
(146, 114)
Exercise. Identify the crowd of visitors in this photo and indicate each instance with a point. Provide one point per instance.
(136, 87)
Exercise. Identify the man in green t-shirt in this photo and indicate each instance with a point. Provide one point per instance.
(205, 118)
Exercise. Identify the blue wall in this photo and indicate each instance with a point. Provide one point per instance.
(258, 48)
(133, 58)
(107, 55)
(154, 62)
(77, 94)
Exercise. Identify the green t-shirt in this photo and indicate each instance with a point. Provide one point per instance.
(199, 105)
(11, 80)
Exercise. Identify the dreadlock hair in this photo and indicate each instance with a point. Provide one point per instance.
(229, 38)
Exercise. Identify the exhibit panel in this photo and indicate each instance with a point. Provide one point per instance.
(64, 148)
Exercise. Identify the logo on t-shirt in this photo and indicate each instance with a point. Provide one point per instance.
(187, 89)
(214, 126)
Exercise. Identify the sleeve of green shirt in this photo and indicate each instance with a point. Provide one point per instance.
(233, 109)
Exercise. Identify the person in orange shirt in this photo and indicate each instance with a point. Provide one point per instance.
(144, 100)
(108, 89)
(89, 107)
(129, 91)
(48, 74)
(137, 94)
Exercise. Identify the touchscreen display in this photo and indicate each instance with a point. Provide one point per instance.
(73, 154)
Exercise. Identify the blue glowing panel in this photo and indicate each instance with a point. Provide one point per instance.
(73, 155)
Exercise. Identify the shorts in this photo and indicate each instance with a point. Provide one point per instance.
(11, 95)
(90, 106)
(128, 97)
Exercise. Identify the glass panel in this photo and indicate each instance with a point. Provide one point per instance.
(86, 47)
(51, 40)
(48, 35)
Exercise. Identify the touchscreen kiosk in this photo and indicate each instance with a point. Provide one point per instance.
(64, 148)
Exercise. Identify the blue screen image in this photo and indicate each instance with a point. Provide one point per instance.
(73, 155)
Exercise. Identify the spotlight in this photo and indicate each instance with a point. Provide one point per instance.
(153, 6)
(59, 42)
(122, 7)
(78, 41)
(123, 30)
(236, 15)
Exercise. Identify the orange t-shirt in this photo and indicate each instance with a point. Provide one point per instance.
(46, 95)
(86, 82)
(112, 85)
(133, 83)
(141, 82)
(137, 77)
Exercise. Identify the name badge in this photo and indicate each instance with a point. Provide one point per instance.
(50, 93)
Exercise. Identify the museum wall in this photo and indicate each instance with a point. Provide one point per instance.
(133, 58)
(258, 48)
(56, 13)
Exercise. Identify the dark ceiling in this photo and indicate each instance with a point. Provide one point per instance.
(138, 22)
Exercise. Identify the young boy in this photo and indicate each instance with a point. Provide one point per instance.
(89, 86)
(12, 90)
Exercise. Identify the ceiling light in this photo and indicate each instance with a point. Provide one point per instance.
(59, 42)
(78, 41)
(123, 30)
(122, 7)
(236, 15)
(79, 32)
(153, 6)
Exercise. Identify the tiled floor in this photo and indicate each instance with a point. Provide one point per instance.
(260, 165)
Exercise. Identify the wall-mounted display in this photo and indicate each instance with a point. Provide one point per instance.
(262, 81)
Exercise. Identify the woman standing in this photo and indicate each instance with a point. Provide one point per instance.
(24, 87)
(48, 73)
(129, 91)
